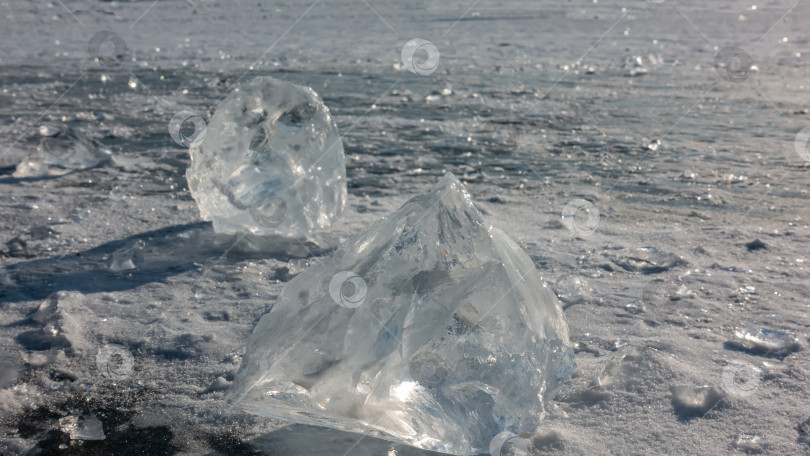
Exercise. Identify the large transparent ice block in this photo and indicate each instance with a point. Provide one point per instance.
(431, 328)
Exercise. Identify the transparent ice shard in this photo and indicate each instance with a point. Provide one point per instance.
(431, 328)
(271, 162)
(128, 258)
(62, 149)
(83, 427)
(764, 341)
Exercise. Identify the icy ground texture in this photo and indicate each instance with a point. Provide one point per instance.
(432, 327)
(271, 162)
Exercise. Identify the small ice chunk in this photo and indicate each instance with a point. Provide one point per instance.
(691, 401)
(572, 289)
(431, 328)
(62, 149)
(34, 242)
(733, 179)
(632, 369)
(128, 258)
(647, 260)
(751, 444)
(49, 130)
(271, 162)
(44, 310)
(638, 72)
(747, 290)
(635, 66)
(84, 427)
(764, 341)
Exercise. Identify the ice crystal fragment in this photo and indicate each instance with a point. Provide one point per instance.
(271, 162)
(763, 341)
(62, 149)
(438, 332)
(84, 427)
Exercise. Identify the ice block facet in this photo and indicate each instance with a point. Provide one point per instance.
(431, 328)
(271, 162)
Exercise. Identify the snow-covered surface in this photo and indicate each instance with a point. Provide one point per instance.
(681, 259)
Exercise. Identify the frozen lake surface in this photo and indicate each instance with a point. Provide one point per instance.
(660, 188)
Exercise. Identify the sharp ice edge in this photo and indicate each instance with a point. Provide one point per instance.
(271, 162)
(454, 340)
